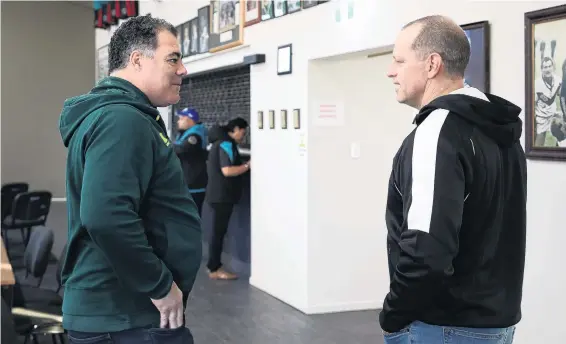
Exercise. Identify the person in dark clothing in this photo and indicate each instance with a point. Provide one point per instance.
(456, 204)
(190, 147)
(134, 239)
(225, 170)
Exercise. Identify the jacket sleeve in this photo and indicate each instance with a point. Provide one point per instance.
(191, 145)
(118, 165)
(430, 243)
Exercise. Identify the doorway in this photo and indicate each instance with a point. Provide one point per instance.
(351, 159)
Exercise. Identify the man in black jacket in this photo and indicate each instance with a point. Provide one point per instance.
(225, 170)
(190, 147)
(457, 199)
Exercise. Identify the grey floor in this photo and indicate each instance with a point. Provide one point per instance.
(222, 312)
(235, 312)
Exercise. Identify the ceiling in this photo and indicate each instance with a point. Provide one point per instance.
(88, 4)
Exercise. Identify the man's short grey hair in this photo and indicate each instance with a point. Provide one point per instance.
(443, 36)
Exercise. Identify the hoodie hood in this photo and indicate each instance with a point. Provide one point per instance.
(108, 91)
(494, 116)
(218, 133)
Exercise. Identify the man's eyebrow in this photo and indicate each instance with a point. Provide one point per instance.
(175, 54)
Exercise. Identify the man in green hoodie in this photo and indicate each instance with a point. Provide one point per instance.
(134, 239)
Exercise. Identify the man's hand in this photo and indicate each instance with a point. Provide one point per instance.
(171, 308)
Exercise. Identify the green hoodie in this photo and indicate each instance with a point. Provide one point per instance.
(133, 226)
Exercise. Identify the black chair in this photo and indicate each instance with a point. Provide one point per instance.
(30, 322)
(38, 252)
(29, 209)
(9, 192)
(8, 331)
(35, 296)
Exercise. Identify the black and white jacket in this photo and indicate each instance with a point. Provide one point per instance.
(456, 216)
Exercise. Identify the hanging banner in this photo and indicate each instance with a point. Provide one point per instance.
(108, 12)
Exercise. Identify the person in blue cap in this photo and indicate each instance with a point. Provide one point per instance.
(190, 147)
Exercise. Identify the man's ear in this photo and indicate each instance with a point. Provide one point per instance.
(136, 59)
(433, 65)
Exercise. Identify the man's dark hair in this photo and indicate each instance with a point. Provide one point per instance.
(138, 33)
(546, 59)
(441, 35)
(236, 122)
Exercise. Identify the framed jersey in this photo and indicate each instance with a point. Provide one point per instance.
(545, 92)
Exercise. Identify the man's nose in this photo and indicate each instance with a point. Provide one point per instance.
(182, 71)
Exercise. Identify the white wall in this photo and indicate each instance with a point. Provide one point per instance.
(40, 69)
(287, 260)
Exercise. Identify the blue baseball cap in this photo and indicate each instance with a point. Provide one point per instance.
(187, 112)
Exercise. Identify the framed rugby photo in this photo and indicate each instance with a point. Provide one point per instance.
(545, 76)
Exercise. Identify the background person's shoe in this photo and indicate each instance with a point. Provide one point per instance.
(221, 274)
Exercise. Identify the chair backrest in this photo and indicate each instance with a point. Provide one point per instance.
(9, 192)
(38, 251)
(31, 208)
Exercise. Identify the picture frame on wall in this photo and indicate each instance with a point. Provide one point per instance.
(279, 8)
(253, 12)
(309, 3)
(267, 10)
(260, 119)
(194, 32)
(227, 20)
(271, 119)
(477, 73)
(180, 37)
(102, 63)
(545, 76)
(283, 119)
(204, 28)
(186, 39)
(293, 6)
(297, 118)
(285, 59)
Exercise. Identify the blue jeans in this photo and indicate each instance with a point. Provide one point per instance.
(421, 333)
(180, 335)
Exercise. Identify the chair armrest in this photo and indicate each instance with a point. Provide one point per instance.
(30, 313)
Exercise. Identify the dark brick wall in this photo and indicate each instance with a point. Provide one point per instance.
(218, 96)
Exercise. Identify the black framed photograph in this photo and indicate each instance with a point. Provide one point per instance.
(279, 8)
(293, 6)
(545, 75)
(260, 119)
(204, 28)
(309, 3)
(185, 37)
(253, 12)
(102, 63)
(267, 11)
(297, 118)
(227, 20)
(283, 119)
(194, 33)
(285, 59)
(180, 37)
(271, 119)
(477, 72)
